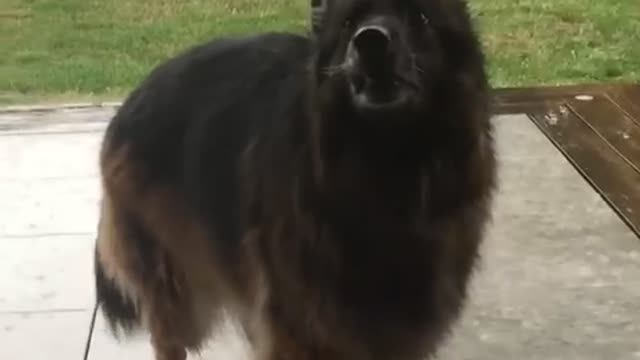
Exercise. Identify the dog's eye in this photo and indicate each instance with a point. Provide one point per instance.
(347, 24)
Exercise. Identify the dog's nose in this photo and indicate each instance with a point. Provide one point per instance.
(372, 41)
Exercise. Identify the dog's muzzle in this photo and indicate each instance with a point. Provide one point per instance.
(376, 79)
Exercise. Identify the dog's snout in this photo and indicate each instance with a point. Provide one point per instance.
(372, 40)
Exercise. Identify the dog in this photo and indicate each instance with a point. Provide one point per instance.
(330, 193)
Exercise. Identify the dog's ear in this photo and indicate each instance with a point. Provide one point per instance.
(318, 11)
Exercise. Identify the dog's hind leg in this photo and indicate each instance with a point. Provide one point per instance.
(151, 270)
(117, 286)
(141, 285)
(131, 285)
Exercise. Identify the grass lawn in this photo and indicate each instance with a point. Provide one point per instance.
(78, 49)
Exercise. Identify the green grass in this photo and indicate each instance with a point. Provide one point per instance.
(78, 49)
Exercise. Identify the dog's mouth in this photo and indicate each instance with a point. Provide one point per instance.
(380, 93)
(377, 82)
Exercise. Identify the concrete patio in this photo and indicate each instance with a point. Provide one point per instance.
(560, 278)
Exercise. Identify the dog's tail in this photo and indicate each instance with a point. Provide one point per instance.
(119, 310)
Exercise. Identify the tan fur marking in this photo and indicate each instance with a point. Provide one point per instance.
(184, 258)
(113, 254)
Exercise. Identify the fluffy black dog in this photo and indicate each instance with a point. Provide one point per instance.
(331, 194)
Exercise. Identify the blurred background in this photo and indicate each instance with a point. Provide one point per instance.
(62, 50)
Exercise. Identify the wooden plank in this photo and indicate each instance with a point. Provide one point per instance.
(628, 99)
(608, 172)
(597, 128)
(515, 108)
(537, 94)
(627, 94)
(613, 124)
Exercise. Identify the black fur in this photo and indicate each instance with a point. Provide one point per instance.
(365, 225)
(119, 310)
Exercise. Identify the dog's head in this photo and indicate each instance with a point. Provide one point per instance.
(386, 56)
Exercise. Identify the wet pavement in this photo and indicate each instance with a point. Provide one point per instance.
(560, 277)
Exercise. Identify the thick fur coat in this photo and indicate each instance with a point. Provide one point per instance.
(331, 194)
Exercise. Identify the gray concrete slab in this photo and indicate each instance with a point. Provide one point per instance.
(49, 206)
(561, 272)
(560, 276)
(43, 336)
(46, 273)
(46, 156)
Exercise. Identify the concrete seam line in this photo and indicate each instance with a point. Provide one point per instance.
(49, 108)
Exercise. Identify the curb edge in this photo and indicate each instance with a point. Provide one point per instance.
(57, 107)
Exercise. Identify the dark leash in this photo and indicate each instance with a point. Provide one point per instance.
(92, 329)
